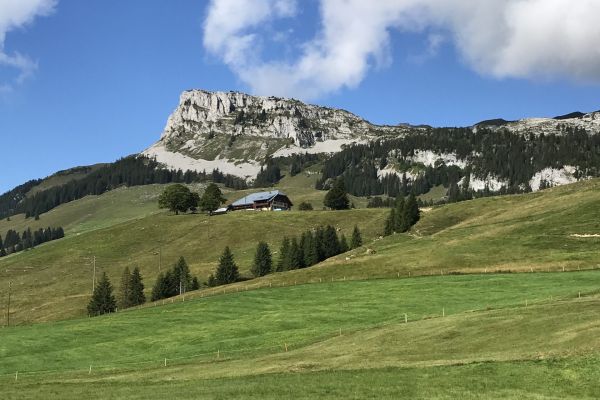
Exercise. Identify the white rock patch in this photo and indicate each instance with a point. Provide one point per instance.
(553, 176)
(183, 162)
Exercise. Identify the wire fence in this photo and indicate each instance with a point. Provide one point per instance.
(228, 354)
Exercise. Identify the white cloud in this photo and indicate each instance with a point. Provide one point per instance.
(533, 39)
(15, 14)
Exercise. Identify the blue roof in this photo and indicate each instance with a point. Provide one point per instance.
(260, 196)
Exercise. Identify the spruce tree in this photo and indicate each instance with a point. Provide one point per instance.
(331, 244)
(283, 261)
(390, 223)
(356, 240)
(160, 289)
(310, 252)
(411, 212)
(227, 271)
(125, 289)
(2, 251)
(136, 287)
(295, 255)
(195, 284)
(263, 263)
(343, 244)
(181, 276)
(319, 243)
(102, 301)
(399, 214)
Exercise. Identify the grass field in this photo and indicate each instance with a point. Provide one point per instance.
(516, 233)
(349, 339)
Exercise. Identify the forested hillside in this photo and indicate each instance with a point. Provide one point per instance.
(482, 161)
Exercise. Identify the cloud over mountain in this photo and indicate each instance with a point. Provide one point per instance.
(531, 39)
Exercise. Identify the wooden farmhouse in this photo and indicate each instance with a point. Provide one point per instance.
(274, 200)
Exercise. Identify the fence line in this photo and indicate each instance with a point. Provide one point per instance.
(222, 354)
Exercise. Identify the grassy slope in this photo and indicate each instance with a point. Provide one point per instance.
(512, 232)
(251, 328)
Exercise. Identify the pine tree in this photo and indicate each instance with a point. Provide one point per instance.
(263, 263)
(125, 289)
(181, 276)
(161, 288)
(102, 301)
(283, 262)
(136, 287)
(295, 256)
(319, 243)
(343, 244)
(195, 284)
(331, 244)
(356, 240)
(227, 271)
(399, 215)
(337, 198)
(411, 213)
(390, 223)
(310, 252)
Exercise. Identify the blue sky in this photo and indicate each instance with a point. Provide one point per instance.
(103, 75)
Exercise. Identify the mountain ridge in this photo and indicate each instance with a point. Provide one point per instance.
(236, 132)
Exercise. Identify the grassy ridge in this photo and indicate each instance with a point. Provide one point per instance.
(260, 320)
(376, 355)
(517, 233)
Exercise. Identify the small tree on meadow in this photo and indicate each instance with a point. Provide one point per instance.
(137, 288)
(211, 199)
(125, 289)
(337, 198)
(177, 198)
(263, 263)
(283, 262)
(356, 240)
(102, 301)
(227, 271)
(331, 244)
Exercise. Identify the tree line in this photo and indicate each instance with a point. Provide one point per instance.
(128, 171)
(312, 247)
(14, 242)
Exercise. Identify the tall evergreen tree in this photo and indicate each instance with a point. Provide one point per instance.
(263, 263)
(343, 244)
(390, 221)
(331, 244)
(399, 214)
(160, 290)
(283, 262)
(356, 240)
(136, 286)
(310, 252)
(102, 301)
(2, 251)
(412, 213)
(125, 289)
(337, 198)
(181, 276)
(227, 271)
(319, 243)
(295, 256)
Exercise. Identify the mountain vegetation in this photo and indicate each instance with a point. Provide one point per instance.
(128, 171)
(14, 242)
(498, 154)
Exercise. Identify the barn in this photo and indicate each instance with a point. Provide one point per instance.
(273, 200)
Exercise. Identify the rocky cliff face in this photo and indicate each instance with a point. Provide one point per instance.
(235, 132)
